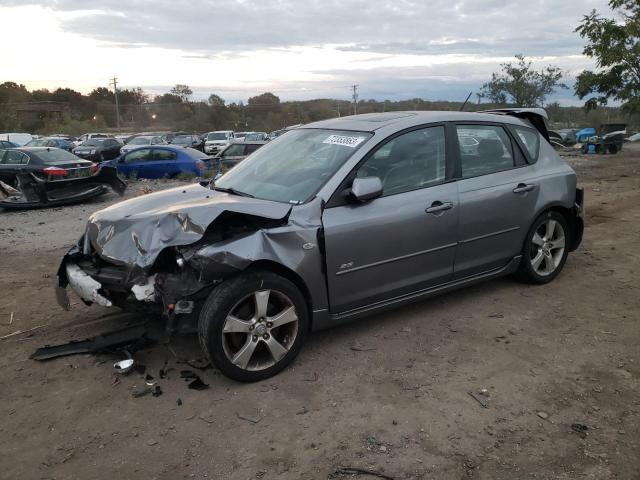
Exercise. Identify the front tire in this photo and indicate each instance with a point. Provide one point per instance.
(545, 249)
(252, 326)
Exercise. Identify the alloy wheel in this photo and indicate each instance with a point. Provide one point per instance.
(547, 247)
(260, 330)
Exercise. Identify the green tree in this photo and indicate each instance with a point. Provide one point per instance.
(614, 43)
(182, 91)
(267, 98)
(521, 85)
(215, 100)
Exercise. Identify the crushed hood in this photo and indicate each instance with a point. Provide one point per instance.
(135, 231)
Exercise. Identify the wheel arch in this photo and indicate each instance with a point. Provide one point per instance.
(290, 275)
(574, 222)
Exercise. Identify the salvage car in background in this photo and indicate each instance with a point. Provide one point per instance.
(36, 177)
(19, 139)
(7, 144)
(162, 161)
(192, 141)
(256, 136)
(333, 221)
(139, 141)
(236, 152)
(218, 140)
(52, 142)
(99, 149)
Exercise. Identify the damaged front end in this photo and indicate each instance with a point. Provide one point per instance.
(33, 191)
(165, 252)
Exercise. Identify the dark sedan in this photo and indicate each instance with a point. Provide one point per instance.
(193, 141)
(39, 176)
(99, 149)
(236, 152)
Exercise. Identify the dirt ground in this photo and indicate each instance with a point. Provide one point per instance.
(560, 363)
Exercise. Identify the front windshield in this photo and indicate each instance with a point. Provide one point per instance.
(217, 136)
(182, 139)
(294, 167)
(252, 137)
(140, 141)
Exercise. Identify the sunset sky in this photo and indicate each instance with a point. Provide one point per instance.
(298, 50)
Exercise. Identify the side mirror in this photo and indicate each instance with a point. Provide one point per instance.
(120, 159)
(366, 188)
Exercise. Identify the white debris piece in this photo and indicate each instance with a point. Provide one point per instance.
(147, 291)
(85, 286)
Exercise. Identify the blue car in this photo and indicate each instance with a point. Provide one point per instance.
(161, 161)
(51, 142)
(7, 144)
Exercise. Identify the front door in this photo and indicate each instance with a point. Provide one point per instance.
(404, 240)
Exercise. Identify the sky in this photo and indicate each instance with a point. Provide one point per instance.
(392, 49)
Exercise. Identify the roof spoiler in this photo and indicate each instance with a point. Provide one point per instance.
(537, 117)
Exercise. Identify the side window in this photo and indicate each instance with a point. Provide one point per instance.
(163, 154)
(234, 150)
(484, 149)
(252, 148)
(139, 155)
(530, 138)
(410, 161)
(13, 157)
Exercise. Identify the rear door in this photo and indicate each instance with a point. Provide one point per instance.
(498, 194)
(135, 162)
(403, 241)
(162, 164)
(12, 162)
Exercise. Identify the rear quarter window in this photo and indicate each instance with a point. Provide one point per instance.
(530, 139)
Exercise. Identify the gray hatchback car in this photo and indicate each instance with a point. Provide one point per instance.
(333, 221)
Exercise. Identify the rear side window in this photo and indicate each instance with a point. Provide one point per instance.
(252, 148)
(530, 139)
(13, 157)
(484, 149)
(164, 155)
(139, 155)
(234, 150)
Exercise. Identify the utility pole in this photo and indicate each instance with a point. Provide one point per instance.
(114, 82)
(355, 99)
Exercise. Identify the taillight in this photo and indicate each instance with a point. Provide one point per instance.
(94, 167)
(55, 171)
(201, 165)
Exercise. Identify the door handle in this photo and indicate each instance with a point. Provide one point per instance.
(523, 188)
(438, 207)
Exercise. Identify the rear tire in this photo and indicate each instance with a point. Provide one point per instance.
(253, 325)
(545, 249)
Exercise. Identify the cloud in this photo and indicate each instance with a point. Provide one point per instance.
(394, 48)
(487, 27)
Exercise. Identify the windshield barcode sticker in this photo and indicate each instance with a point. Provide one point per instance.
(344, 140)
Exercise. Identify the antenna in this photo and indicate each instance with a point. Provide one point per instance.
(465, 102)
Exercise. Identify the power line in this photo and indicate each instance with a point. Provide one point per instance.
(355, 99)
(114, 82)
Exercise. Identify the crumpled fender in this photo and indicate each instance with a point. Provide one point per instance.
(134, 232)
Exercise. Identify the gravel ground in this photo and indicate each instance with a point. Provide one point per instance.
(560, 364)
